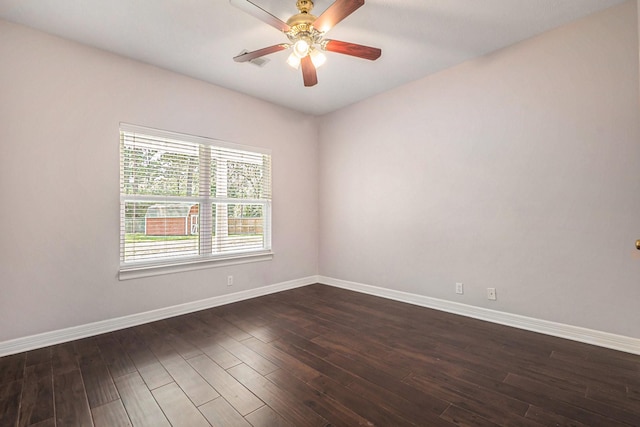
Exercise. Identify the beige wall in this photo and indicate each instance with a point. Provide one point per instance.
(60, 108)
(518, 170)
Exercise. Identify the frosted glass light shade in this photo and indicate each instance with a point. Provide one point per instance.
(293, 61)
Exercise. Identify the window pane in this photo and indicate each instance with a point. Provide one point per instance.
(240, 174)
(244, 180)
(160, 230)
(152, 167)
(238, 227)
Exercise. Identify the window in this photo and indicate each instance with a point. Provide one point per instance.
(189, 202)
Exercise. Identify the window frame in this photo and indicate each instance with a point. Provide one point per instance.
(206, 258)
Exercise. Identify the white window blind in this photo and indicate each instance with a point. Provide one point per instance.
(186, 199)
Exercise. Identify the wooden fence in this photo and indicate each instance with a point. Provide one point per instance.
(245, 226)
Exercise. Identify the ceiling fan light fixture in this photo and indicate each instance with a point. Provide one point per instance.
(293, 61)
(318, 58)
(301, 48)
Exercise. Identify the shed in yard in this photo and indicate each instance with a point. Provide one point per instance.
(175, 219)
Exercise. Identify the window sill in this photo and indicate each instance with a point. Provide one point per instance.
(138, 271)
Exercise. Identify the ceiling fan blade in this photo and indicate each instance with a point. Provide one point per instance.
(309, 74)
(339, 10)
(248, 56)
(258, 12)
(358, 50)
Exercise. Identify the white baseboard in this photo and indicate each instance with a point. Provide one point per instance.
(32, 342)
(575, 333)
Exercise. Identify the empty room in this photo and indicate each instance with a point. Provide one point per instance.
(319, 213)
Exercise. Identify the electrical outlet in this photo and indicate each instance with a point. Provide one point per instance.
(491, 294)
(459, 288)
(229, 280)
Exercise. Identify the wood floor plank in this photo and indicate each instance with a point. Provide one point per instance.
(10, 402)
(180, 345)
(217, 353)
(252, 325)
(235, 393)
(421, 406)
(463, 417)
(282, 360)
(288, 406)
(178, 408)
(64, 358)
(142, 408)
(633, 393)
(156, 343)
(602, 412)
(70, 397)
(553, 375)
(540, 398)
(371, 410)
(51, 422)
(115, 356)
(12, 368)
(155, 375)
(423, 360)
(194, 386)
(315, 362)
(151, 370)
(623, 371)
(548, 418)
(220, 413)
(487, 404)
(36, 404)
(616, 397)
(375, 355)
(38, 356)
(305, 329)
(111, 414)
(248, 356)
(97, 379)
(221, 325)
(267, 417)
(326, 407)
(373, 379)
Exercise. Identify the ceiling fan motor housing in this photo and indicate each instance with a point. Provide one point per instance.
(301, 28)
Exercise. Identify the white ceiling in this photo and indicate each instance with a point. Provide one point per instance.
(198, 38)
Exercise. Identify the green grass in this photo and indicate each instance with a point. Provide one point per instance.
(141, 237)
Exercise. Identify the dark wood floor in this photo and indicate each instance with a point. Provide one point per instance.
(320, 356)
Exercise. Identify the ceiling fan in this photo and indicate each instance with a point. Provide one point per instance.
(306, 35)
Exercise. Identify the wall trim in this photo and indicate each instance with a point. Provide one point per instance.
(45, 339)
(575, 333)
